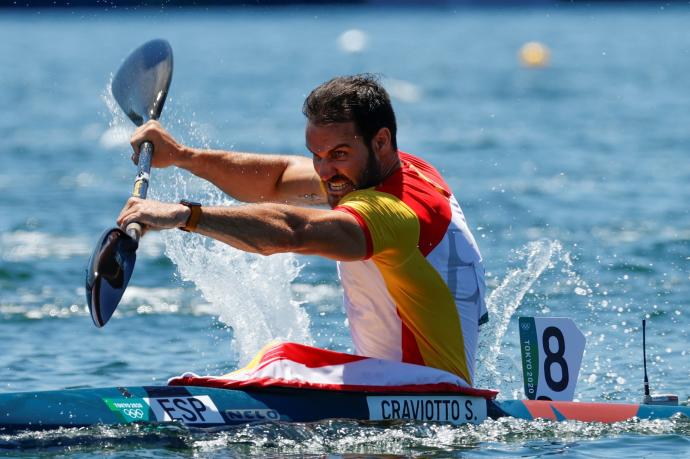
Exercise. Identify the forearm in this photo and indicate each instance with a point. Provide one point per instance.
(262, 229)
(275, 228)
(251, 177)
(259, 228)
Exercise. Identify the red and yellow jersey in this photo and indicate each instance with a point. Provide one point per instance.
(418, 297)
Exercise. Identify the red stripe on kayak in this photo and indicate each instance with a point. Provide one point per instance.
(582, 411)
(266, 383)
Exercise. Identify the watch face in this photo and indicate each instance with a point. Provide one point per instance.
(184, 202)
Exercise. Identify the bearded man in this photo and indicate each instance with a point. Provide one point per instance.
(411, 271)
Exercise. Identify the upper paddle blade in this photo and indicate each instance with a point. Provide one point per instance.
(108, 272)
(141, 84)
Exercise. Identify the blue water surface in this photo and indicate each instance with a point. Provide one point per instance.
(573, 177)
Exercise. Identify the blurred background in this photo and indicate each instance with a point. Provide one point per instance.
(561, 126)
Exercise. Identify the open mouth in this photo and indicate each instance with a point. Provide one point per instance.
(339, 186)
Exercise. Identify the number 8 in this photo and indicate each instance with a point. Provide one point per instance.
(555, 357)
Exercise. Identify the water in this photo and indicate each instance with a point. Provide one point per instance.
(573, 178)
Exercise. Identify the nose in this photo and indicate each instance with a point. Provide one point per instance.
(325, 169)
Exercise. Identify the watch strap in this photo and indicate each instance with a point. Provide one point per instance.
(194, 216)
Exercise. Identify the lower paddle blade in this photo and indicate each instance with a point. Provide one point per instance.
(108, 273)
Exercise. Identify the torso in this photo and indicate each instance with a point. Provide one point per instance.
(419, 296)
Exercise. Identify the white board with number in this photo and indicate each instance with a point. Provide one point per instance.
(552, 349)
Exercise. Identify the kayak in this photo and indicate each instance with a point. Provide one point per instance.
(209, 407)
(203, 407)
(290, 382)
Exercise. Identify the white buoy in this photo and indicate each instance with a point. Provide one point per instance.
(353, 41)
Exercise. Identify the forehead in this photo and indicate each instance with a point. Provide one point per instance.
(324, 137)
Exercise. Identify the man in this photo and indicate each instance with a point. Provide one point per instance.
(411, 271)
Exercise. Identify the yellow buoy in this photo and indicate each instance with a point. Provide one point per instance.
(534, 54)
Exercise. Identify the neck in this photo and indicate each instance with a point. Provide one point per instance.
(389, 165)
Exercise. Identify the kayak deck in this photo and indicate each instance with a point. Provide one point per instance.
(209, 407)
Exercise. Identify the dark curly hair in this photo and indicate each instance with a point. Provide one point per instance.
(358, 98)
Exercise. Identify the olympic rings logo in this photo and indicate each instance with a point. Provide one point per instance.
(134, 413)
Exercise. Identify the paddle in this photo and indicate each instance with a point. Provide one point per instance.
(140, 88)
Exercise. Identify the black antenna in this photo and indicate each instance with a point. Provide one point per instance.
(644, 357)
(656, 399)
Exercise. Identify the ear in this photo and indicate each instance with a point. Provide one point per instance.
(381, 142)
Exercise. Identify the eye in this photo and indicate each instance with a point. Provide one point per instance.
(338, 154)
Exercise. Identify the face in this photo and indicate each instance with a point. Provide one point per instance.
(342, 160)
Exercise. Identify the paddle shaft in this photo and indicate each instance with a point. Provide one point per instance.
(141, 185)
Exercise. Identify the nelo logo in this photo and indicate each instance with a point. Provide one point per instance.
(252, 415)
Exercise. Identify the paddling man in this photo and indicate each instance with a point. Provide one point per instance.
(411, 270)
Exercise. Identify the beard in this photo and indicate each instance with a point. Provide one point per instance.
(370, 176)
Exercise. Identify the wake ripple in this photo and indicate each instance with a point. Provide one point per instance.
(505, 436)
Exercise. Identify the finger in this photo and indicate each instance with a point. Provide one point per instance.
(138, 137)
(121, 218)
(125, 218)
(129, 213)
(132, 201)
(135, 142)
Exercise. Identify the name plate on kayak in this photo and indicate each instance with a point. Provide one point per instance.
(455, 409)
(198, 409)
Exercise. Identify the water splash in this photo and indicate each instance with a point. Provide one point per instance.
(495, 367)
(251, 293)
(546, 283)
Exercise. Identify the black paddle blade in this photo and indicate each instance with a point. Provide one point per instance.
(141, 84)
(108, 272)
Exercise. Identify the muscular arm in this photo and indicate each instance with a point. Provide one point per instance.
(247, 177)
(276, 228)
(260, 228)
(251, 177)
